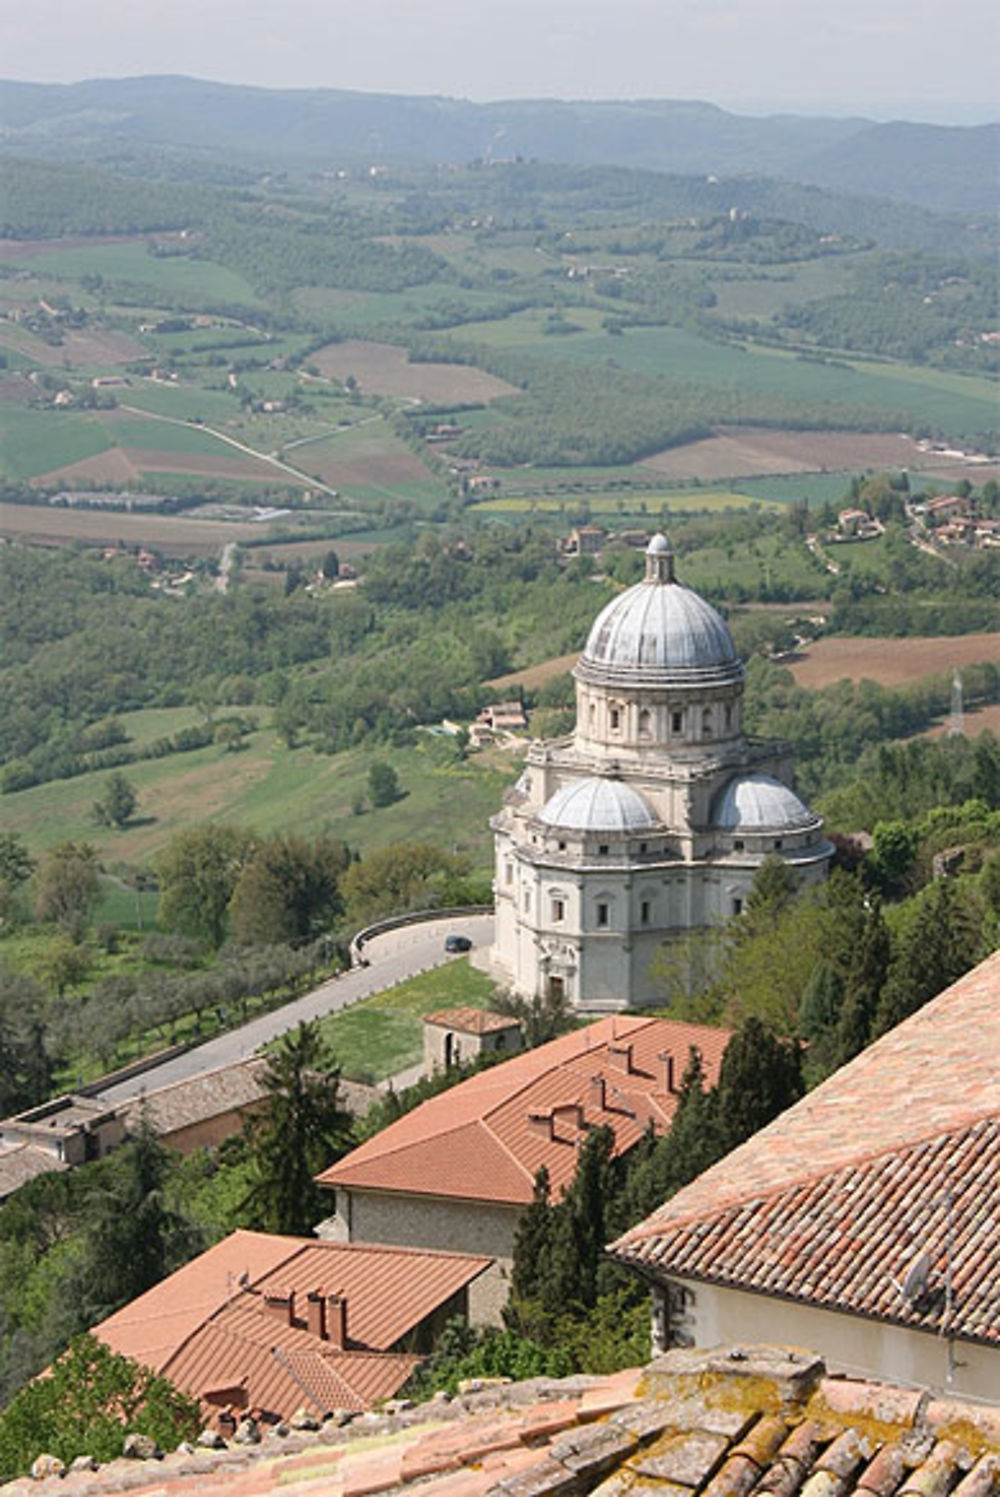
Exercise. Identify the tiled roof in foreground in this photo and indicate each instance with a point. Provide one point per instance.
(728, 1423)
(895, 1157)
(486, 1138)
(208, 1326)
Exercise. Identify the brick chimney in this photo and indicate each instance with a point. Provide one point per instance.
(667, 1061)
(597, 1089)
(620, 1056)
(571, 1112)
(337, 1321)
(316, 1314)
(281, 1304)
(540, 1123)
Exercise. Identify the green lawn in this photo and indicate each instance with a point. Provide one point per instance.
(33, 442)
(269, 788)
(184, 402)
(631, 506)
(200, 282)
(381, 1036)
(162, 436)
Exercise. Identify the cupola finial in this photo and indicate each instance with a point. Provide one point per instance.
(659, 559)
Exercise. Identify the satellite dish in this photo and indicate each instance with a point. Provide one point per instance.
(915, 1282)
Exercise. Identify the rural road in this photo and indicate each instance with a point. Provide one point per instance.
(393, 956)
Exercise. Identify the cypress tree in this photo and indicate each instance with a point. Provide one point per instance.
(760, 1077)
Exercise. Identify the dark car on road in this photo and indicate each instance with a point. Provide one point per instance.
(457, 943)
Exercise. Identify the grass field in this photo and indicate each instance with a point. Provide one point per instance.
(33, 442)
(381, 1036)
(369, 462)
(687, 501)
(200, 282)
(269, 788)
(891, 662)
(952, 402)
(173, 535)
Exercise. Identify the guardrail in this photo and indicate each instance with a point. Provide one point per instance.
(134, 1068)
(417, 917)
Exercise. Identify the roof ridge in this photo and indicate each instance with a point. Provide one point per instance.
(656, 1226)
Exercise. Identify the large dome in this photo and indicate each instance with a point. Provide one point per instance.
(759, 803)
(659, 633)
(595, 805)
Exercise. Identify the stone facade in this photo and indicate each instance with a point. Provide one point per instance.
(454, 1226)
(650, 820)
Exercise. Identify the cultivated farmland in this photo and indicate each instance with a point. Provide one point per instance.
(890, 662)
(385, 369)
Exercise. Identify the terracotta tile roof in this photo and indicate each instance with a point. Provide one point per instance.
(896, 1155)
(694, 1424)
(472, 1020)
(23, 1162)
(477, 1142)
(226, 1089)
(207, 1328)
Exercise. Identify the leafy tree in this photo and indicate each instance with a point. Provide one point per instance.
(383, 784)
(894, 848)
(531, 1240)
(26, 1066)
(91, 1399)
(403, 876)
(300, 1129)
(288, 891)
(66, 886)
(198, 873)
(331, 565)
(64, 965)
(771, 893)
(117, 802)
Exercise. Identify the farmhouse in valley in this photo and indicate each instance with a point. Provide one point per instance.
(653, 818)
(458, 1171)
(865, 1219)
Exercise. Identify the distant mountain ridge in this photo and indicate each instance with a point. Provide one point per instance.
(952, 169)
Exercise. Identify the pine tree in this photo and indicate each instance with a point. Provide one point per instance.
(587, 1202)
(299, 1131)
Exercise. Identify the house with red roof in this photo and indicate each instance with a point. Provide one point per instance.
(866, 1218)
(457, 1172)
(274, 1324)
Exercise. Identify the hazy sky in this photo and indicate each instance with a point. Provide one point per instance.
(887, 58)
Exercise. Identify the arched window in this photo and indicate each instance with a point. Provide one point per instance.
(706, 721)
(645, 724)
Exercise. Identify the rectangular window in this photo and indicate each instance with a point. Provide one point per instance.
(643, 847)
(616, 718)
(737, 906)
(676, 722)
(778, 844)
(509, 873)
(644, 912)
(558, 911)
(603, 849)
(738, 844)
(527, 899)
(602, 914)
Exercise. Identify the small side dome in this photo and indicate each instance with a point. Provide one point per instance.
(658, 545)
(760, 803)
(596, 805)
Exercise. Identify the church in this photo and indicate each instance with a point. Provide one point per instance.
(652, 818)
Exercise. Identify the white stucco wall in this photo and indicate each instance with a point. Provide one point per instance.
(709, 1315)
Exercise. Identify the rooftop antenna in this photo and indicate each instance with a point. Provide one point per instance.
(956, 719)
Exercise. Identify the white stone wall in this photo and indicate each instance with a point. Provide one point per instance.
(709, 1315)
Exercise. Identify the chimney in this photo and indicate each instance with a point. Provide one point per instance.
(668, 1070)
(573, 1112)
(337, 1321)
(597, 1093)
(316, 1314)
(540, 1123)
(281, 1304)
(620, 1057)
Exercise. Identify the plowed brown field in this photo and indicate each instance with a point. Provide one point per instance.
(385, 369)
(891, 662)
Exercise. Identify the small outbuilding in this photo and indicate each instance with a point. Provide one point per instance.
(454, 1036)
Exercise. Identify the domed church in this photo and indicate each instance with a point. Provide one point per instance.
(652, 818)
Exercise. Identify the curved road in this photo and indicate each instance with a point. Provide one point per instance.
(393, 956)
